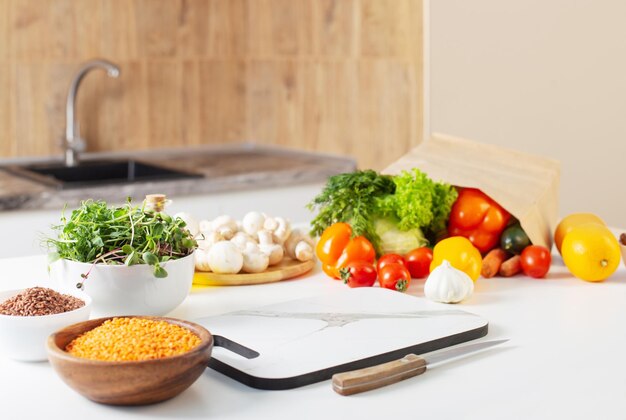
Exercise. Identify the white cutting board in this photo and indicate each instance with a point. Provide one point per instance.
(308, 340)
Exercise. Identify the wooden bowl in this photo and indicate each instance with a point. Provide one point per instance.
(132, 382)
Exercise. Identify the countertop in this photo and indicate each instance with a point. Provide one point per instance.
(565, 359)
(234, 168)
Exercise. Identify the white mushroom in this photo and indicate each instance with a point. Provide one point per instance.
(253, 222)
(192, 224)
(254, 261)
(282, 231)
(201, 258)
(225, 226)
(225, 257)
(270, 224)
(208, 239)
(241, 239)
(299, 246)
(275, 252)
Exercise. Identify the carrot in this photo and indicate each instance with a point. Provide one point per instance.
(492, 262)
(511, 267)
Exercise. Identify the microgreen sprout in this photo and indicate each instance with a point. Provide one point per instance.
(97, 233)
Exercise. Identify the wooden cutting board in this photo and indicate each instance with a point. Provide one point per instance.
(286, 269)
(300, 342)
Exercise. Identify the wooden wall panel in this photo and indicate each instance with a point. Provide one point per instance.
(352, 87)
(117, 28)
(334, 28)
(384, 110)
(384, 30)
(4, 32)
(7, 148)
(339, 76)
(227, 32)
(330, 123)
(222, 110)
(280, 28)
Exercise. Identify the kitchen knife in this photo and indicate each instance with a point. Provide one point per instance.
(353, 382)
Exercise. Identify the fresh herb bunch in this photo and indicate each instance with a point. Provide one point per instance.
(351, 198)
(97, 233)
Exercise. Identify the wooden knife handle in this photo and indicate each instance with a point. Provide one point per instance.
(353, 382)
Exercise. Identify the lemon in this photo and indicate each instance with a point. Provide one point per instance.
(591, 252)
(570, 222)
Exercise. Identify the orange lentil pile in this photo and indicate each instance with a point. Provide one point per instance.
(130, 339)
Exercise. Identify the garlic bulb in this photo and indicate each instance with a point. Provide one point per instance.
(448, 285)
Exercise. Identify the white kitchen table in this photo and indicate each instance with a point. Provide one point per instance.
(565, 360)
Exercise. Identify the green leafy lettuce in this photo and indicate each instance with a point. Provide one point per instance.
(396, 241)
(419, 202)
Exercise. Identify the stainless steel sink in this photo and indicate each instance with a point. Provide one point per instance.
(98, 173)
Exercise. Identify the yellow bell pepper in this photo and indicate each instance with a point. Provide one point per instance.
(460, 253)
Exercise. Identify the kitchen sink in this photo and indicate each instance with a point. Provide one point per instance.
(98, 173)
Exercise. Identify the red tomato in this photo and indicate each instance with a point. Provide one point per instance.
(390, 259)
(418, 262)
(359, 274)
(535, 261)
(394, 276)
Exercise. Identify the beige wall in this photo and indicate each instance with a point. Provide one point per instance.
(547, 77)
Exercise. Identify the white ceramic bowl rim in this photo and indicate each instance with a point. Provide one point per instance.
(121, 266)
(80, 295)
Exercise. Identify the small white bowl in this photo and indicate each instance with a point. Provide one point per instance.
(24, 337)
(128, 290)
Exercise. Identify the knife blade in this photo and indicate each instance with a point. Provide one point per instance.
(361, 380)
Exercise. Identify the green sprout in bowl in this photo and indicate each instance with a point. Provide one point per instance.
(98, 233)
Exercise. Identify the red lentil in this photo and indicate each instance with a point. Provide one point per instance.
(132, 339)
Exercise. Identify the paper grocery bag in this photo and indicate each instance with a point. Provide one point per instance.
(525, 185)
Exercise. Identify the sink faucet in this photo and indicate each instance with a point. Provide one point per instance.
(73, 143)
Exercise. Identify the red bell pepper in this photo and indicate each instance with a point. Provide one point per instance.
(478, 218)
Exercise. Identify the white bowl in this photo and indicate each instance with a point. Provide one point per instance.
(128, 290)
(24, 337)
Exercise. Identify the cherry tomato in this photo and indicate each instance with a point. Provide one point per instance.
(394, 276)
(418, 262)
(390, 259)
(535, 261)
(332, 242)
(359, 274)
